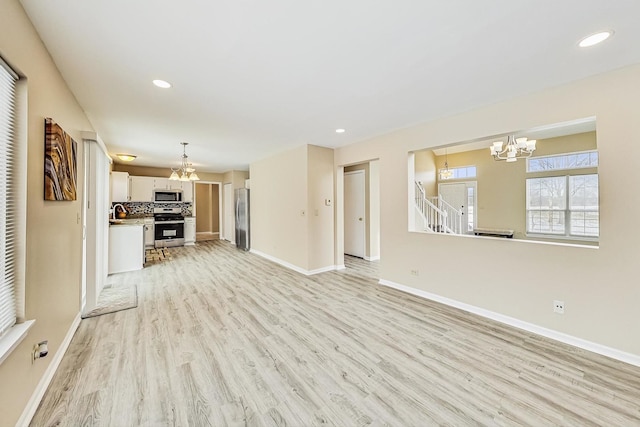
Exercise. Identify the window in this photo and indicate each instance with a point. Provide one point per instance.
(11, 209)
(586, 159)
(462, 172)
(564, 206)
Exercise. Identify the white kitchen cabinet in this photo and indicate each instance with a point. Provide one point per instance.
(119, 186)
(161, 183)
(141, 188)
(187, 191)
(189, 231)
(126, 248)
(175, 185)
(149, 234)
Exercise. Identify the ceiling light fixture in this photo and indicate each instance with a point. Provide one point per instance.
(594, 39)
(516, 148)
(161, 83)
(340, 130)
(446, 173)
(185, 172)
(126, 157)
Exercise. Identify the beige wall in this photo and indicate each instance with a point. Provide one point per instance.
(289, 218)
(320, 216)
(426, 171)
(135, 170)
(54, 233)
(506, 208)
(279, 206)
(203, 203)
(597, 284)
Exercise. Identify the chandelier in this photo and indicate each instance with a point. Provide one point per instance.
(446, 173)
(185, 172)
(516, 148)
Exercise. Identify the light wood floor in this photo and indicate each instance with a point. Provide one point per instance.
(224, 337)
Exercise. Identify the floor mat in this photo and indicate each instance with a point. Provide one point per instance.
(115, 299)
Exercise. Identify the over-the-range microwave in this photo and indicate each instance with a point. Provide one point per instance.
(167, 196)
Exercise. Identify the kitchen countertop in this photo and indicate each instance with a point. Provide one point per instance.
(126, 221)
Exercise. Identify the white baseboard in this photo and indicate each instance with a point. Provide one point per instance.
(38, 393)
(632, 359)
(292, 266)
(373, 258)
(341, 267)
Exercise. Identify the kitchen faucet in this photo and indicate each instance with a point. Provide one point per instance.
(114, 209)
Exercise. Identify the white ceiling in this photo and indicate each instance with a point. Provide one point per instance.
(252, 78)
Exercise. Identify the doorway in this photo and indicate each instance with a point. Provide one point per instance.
(354, 213)
(208, 205)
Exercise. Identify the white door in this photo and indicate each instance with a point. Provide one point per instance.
(354, 210)
(228, 212)
(462, 196)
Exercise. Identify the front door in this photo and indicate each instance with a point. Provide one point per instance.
(354, 210)
(462, 196)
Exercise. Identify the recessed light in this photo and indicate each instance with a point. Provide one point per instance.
(340, 130)
(126, 157)
(594, 39)
(161, 83)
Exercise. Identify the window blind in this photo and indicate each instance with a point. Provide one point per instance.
(8, 198)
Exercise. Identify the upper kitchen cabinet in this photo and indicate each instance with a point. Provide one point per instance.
(119, 186)
(141, 188)
(161, 183)
(168, 184)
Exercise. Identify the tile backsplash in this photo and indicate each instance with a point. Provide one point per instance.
(146, 208)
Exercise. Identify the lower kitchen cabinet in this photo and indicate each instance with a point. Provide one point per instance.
(149, 236)
(126, 248)
(190, 231)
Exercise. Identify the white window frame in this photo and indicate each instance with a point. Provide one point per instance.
(458, 168)
(13, 169)
(565, 172)
(565, 155)
(567, 211)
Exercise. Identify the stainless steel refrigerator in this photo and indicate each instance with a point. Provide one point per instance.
(242, 218)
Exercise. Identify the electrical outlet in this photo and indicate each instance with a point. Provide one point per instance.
(415, 272)
(558, 307)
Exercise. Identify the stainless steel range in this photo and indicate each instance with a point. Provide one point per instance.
(169, 227)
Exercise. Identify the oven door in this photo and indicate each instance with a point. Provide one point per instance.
(169, 233)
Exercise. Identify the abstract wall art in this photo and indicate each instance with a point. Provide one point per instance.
(60, 172)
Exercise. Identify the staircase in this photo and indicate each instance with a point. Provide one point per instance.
(437, 215)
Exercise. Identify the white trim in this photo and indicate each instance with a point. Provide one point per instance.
(341, 267)
(372, 258)
(93, 136)
(292, 266)
(30, 410)
(622, 356)
(13, 338)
